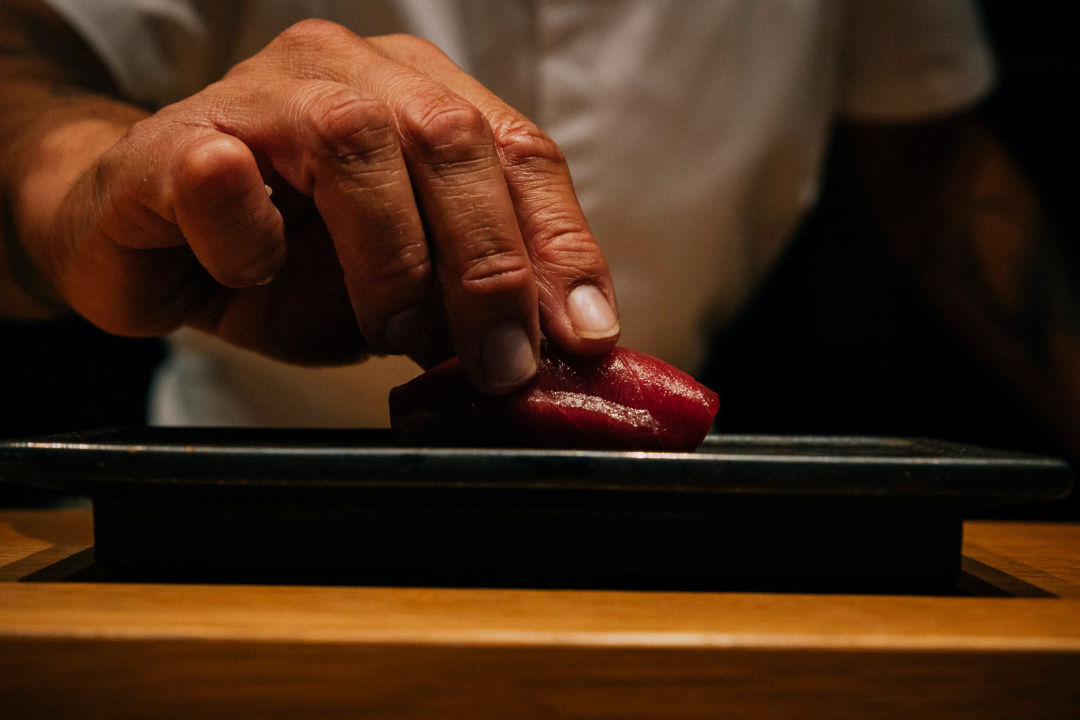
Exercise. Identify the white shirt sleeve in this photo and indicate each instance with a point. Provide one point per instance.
(913, 59)
(156, 50)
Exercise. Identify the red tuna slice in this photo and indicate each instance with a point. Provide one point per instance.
(624, 400)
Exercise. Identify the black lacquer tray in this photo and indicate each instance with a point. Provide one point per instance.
(350, 506)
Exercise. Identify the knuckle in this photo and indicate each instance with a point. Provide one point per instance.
(522, 144)
(448, 129)
(561, 242)
(579, 263)
(408, 264)
(552, 232)
(213, 171)
(495, 271)
(313, 33)
(314, 48)
(348, 125)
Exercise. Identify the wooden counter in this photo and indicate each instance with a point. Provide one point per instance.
(1006, 645)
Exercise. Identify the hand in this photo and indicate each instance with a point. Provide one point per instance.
(411, 209)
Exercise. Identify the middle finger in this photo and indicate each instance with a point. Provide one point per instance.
(482, 265)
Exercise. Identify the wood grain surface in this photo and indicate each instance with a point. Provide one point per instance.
(33, 540)
(78, 649)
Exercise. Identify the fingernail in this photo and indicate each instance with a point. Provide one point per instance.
(265, 281)
(404, 330)
(590, 313)
(506, 356)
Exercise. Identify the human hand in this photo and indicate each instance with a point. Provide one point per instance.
(411, 210)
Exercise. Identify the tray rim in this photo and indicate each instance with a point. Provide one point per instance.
(100, 462)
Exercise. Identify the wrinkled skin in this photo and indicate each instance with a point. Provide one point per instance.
(623, 400)
(410, 211)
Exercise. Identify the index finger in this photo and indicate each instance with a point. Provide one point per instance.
(462, 219)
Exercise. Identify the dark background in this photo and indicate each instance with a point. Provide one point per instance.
(836, 342)
(833, 343)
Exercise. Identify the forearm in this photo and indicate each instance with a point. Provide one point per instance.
(56, 117)
(967, 225)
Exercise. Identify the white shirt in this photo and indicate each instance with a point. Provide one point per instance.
(694, 130)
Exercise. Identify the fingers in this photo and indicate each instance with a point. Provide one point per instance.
(576, 295)
(218, 200)
(435, 194)
(351, 163)
(484, 270)
(368, 164)
(375, 168)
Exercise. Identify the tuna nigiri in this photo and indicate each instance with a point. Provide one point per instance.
(623, 400)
